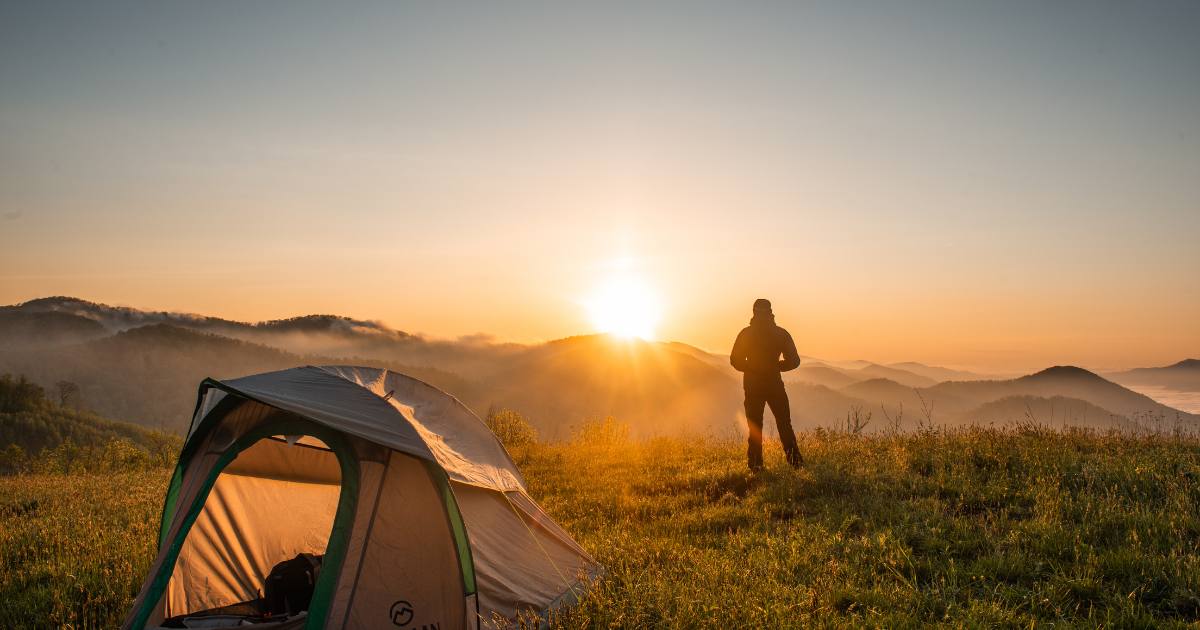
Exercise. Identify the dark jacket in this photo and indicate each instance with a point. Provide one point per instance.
(758, 348)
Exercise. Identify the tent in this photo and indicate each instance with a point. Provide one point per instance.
(413, 513)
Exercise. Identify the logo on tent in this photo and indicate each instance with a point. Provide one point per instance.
(401, 613)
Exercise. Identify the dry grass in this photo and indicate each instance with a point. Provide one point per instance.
(980, 528)
(74, 549)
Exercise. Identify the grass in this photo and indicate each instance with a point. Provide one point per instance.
(74, 549)
(974, 528)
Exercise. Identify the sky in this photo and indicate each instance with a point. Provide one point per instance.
(1004, 185)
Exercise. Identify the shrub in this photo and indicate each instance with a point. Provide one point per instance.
(511, 427)
(13, 460)
(122, 454)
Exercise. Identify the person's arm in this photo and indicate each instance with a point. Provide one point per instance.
(738, 358)
(791, 358)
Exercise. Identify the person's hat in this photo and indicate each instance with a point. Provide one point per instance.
(762, 305)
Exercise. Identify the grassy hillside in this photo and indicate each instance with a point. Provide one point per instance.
(67, 434)
(971, 528)
(74, 549)
(977, 528)
(37, 434)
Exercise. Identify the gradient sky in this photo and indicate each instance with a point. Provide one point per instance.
(1004, 185)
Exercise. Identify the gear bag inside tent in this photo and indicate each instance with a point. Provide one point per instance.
(346, 497)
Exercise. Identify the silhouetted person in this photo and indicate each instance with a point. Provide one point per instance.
(757, 355)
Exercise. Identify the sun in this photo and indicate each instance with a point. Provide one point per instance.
(625, 306)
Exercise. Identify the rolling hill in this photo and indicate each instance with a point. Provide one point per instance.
(1053, 412)
(821, 375)
(19, 329)
(149, 375)
(816, 406)
(1067, 381)
(1056, 396)
(1182, 376)
(144, 367)
(936, 373)
(319, 335)
(655, 388)
(881, 389)
(903, 377)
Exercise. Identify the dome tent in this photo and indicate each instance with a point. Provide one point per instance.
(418, 516)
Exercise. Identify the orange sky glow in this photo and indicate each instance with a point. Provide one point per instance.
(958, 185)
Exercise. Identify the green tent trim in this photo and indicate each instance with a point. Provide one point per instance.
(457, 527)
(343, 520)
(339, 535)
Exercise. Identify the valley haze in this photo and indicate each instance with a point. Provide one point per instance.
(142, 366)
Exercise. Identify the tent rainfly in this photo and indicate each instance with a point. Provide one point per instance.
(348, 497)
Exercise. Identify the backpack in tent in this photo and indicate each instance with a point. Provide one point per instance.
(288, 588)
(344, 498)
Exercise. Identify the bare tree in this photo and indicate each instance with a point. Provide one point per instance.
(926, 410)
(856, 420)
(67, 392)
(895, 425)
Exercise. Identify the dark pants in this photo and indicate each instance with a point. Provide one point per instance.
(758, 395)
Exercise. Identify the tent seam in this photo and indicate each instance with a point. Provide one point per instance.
(328, 369)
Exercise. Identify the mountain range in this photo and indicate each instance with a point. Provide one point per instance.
(1182, 376)
(144, 366)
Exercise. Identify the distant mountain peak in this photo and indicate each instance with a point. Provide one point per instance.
(1066, 371)
(60, 302)
(56, 299)
(329, 323)
(607, 339)
(113, 317)
(887, 382)
(1190, 364)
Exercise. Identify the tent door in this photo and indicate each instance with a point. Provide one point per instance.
(264, 502)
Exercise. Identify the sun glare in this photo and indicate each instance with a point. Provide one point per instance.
(625, 306)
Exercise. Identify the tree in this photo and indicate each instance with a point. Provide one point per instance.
(20, 395)
(13, 460)
(67, 391)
